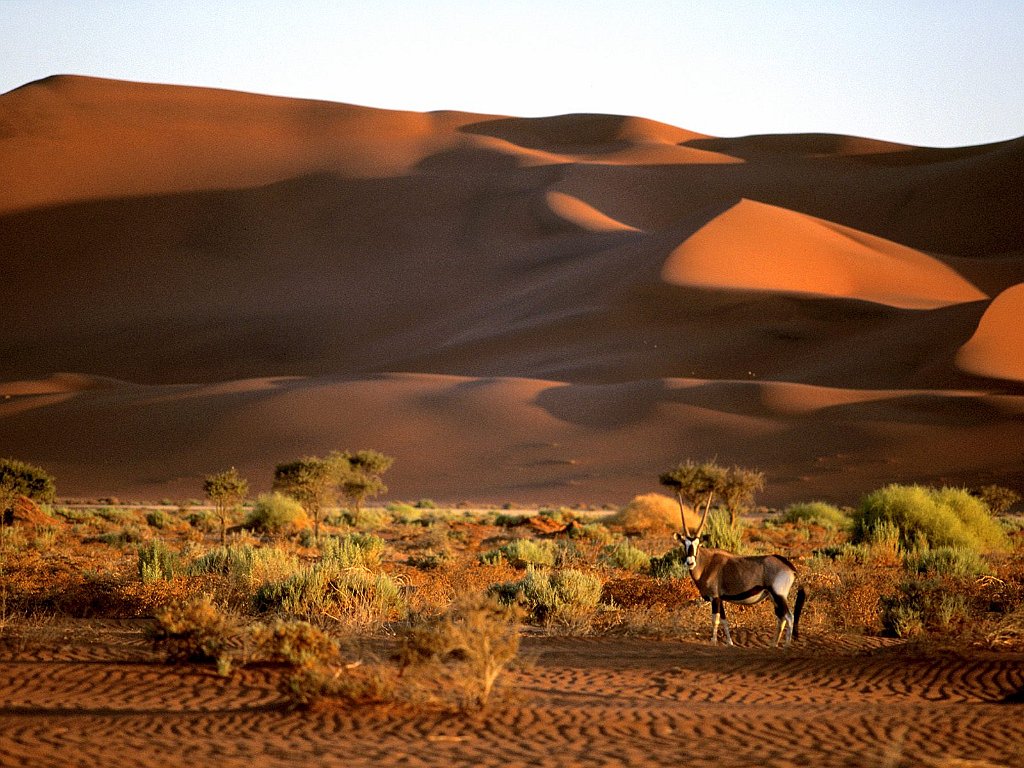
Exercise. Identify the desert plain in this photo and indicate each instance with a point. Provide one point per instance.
(542, 312)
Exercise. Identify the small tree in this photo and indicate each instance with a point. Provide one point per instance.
(17, 479)
(695, 484)
(360, 474)
(227, 491)
(312, 482)
(738, 491)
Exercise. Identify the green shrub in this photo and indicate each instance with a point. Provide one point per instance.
(520, 553)
(625, 556)
(818, 513)
(920, 605)
(926, 516)
(947, 561)
(597, 533)
(563, 596)
(671, 565)
(18, 478)
(129, 534)
(156, 561)
(277, 514)
(357, 550)
(365, 519)
(158, 519)
(719, 533)
(246, 563)
(326, 589)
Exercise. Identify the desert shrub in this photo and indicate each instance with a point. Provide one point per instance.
(201, 519)
(326, 589)
(156, 561)
(671, 565)
(158, 519)
(650, 512)
(129, 534)
(194, 630)
(504, 520)
(469, 646)
(357, 550)
(816, 513)
(1009, 632)
(113, 514)
(597, 533)
(947, 561)
(520, 553)
(364, 519)
(926, 516)
(19, 478)
(998, 499)
(277, 514)
(295, 643)
(430, 559)
(920, 605)
(349, 684)
(565, 596)
(625, 556)
(246, 563)
(720, 533)
(425, 504)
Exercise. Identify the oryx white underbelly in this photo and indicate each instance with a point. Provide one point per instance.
(747, 599)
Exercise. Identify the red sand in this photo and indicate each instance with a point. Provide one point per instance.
(546, 310)
(578, 701)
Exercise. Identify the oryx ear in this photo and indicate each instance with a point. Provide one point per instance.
(679, 537)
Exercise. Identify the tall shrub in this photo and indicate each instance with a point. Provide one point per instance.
(929, 517)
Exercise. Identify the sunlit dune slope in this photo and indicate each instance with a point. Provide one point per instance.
(539, 308)
(997, 347)
(753, 246)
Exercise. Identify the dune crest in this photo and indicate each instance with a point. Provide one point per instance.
(757, 247)
(996, 349)
(583, 215)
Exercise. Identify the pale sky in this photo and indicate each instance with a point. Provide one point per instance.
(929, 72)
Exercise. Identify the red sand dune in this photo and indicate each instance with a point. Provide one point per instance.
(544, 310)
(759, 247)
(997, 347)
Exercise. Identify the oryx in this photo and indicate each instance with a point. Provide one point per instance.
(723, 577)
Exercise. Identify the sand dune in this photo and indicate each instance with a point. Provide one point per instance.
(997, 347)
(544, 309)
(758, 247)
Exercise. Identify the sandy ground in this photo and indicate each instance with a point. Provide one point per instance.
(97, 695)
(548, 310)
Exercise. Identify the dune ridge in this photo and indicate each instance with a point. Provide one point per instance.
(566, 304)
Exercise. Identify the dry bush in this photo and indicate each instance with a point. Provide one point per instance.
(567, 598)
(1008, 634)
(649, 513)
(354, 684)
(464, 651)
(296, 643)
(196, 630)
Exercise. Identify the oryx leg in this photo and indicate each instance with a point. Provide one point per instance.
(784, 620)
(718, 620)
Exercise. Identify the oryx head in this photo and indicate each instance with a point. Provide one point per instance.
(691, 540)
(690, 544)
